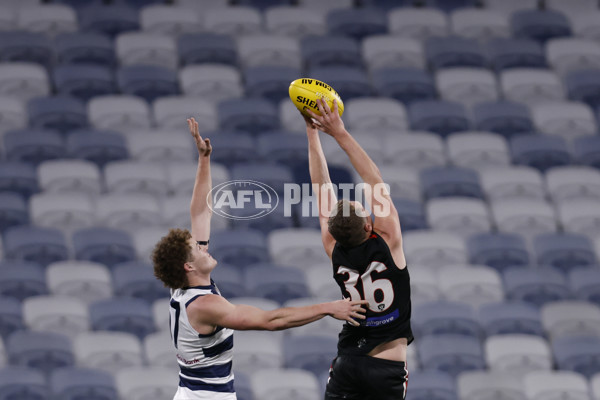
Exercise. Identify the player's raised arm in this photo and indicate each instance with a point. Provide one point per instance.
(200, 206)
(319, 175)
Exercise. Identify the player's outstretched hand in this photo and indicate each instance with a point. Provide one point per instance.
(329, 121)
(310, 123)
(203, 145)
(348, 310)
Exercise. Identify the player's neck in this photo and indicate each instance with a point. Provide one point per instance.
(199, 280)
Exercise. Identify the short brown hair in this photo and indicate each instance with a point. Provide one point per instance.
(169, 256)
(347, 228)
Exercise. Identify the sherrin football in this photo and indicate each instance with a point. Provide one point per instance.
(304, 93)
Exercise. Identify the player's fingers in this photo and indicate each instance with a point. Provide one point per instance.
(335, 107)
(314, 116)
(320, 107)
(359, 309)
(357, 315)
(352, 322)
(325, 106)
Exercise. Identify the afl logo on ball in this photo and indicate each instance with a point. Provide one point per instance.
(243, 199)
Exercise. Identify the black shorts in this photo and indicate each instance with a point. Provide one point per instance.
(366, 378)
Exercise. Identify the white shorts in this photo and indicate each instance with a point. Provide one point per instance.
(184, 393)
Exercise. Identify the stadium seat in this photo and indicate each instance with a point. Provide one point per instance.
(66, 212)
(417, 23)
(565, 385)
(527, 217)
(349, 82)
(271, 82)
(50, 19)
(172, 112)
(411, 214)
(508, 53)
(110, 21)
(444, 317)
(300, 247)
(578, 354)
(141, 383)
(414, 149)
(463, 216)
(44, 351)
(159, 350)
(36, 244)
(206, 47)
(59, 314)
(103, 245)
(497, 250)
(85, 48)
(136, 279)
(386, 51)
(235, 21)
(247, 114)
(570, 54)
(130, 212)
(108, 351)
(147, 81)
(239, 247)
(479, 385)
(165, 145)
(531, 86)
(23, 80)
(585, 284)
(268, 50)
(20, 280)
(450, 353)
(12, 114)
(294, 21)
(571, 318)
(133, 177)
(137, 4)
(282, 147)
(122, 314)
(586, 25)
(450, 182)
(432, 384)
(33, 146)
(576, 7)
(230, 280)
(23, 383)
(510, 318)
(255, 350)
(215, 82)
(540, 25)
(563, 250)
(65, 176)
(580, 216)
(573, 183)
(72, 383)
(201, 5)
(271, 384)
(8, 18)
(32, 47)
(438, 116)
(273, 175)
(181, 177)
(466, 85)
(13, 210)
(275, 282)
(513, 182)
(453, 51)
(356, 23)
(313, 353)
(479, 150)
(517, 353)
(85, 281)
(404, 84)
(565, 119)
(479, 24)
(583, 86)
(141, 48)
(470, 284)
(11, 316)
(145, 240)
(424, 285)
(434, 249)
(83, 81)
(503, 117)
(18, 177)
(168, 20)
(542, 152)
(119, 113)
(236, 147)
(375, 114)
(537, 286)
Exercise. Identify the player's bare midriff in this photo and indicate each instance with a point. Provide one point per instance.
(394, 350)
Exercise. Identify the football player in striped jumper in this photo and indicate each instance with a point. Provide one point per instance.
(201, 320)
(368, 264)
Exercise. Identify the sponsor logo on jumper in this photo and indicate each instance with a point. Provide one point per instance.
(385, 319)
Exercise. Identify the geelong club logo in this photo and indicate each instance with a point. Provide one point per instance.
(231, 196)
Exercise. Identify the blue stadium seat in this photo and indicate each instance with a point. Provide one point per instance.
(140, 3)
(537, 286)
(57, 112)
(25, 46)
(84, 81)
(584, 86)
(234, 147)
(274, 282)
(282, 147)
(76, 383)
(404, 84)
(539, 151)
(579, 354)
(147, 81)
(356, 23)
(451, 5)
(504, 117)
(450, 182)
(349, 82)
(100, 147)
(136, 279)
(432, 384)
(122, 315)
(586, 150)
(539, 25)
(35, 244)
(274, 175)
(510, 318)
(441, 117)
(411, 214)
(13, 210)
(262, 5)
(454, 51)
(11, 316)
(78, 4)
(206, 47)
(23, 384)
(103, 245)
(18, 177)
(445, 317)
(327, 51)
(276, 219)
(505, 53)
(271, 82)
(564, 250)
(450, 353)
(85, 48)
(498, 250)
(243, 388)
(34, 146)
(44, 351)
(230, 280)
(111, 20)
(585, 283)
(239, 247)
(311, 352)
(20, 279)
(248, 114)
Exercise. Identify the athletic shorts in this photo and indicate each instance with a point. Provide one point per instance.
(366, 378)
